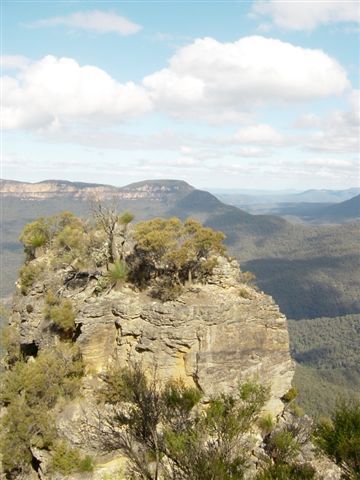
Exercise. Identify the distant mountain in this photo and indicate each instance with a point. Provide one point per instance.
(150, 190)
(270, 198)
(349, 209)
(310, 271)
(309, 206)
(325, 196)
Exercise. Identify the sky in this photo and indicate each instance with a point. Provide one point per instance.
(222, 94)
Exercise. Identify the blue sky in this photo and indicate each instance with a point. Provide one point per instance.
(255, 94)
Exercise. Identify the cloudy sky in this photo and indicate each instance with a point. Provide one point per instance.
(230, 94)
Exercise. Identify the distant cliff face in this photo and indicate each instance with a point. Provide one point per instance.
(150, 190)
(213, 336)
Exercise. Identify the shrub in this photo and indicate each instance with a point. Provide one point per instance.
(339, 436)
(126, 218)
(175, 249)
(283, 446)
(30, 391)
(165, 290)
(35, 234)
(159, 430)
(266, 423)
(60, 311)
(248, 277)
(29, 273)
(118, 272)
(10, 344)
(290, 395)
(68, 460)
(283, 471)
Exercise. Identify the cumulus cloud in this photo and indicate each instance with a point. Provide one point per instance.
(209, 78)
(259, 135)
(297, 15)
(206, 80)
(54, 91)
(93, 21)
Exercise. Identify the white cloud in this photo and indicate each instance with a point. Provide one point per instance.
(331, 163)
(54, 91)
(259, 135)
(308, 120)
(301, 15)
(14, 62)
(339, 130)
(93, 21)
(210, 79)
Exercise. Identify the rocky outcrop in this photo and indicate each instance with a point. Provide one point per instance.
(213, 336)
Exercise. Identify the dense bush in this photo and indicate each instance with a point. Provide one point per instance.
(30, 390)
(60, 311)
(174, 250)
(29, 273)
(67, 460)
(339, 437)
(164, 434)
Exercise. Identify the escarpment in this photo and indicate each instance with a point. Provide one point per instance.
(213, 335)
(162, 295)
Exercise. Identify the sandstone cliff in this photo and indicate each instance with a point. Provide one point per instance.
(214, 335)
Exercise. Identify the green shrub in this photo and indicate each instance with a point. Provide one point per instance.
(60, 311)
(283, 471)
(29, 273)
(10, 343)
(67, 460)
(266, 423)
(339, 436)
(37, 233)
(290, 395)
(126, 218)
(30, 392)
(118, 272)
(283, 446)
(157, 427)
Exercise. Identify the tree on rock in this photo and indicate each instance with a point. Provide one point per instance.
(175, 249)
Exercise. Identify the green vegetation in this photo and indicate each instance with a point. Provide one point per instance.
(328, 357)
(30, 391)
(67, 460)
(164, 254)
(164, 434)
(60, 311)
(174, 251)
(339, 437)
(118, 272)
(29, 273)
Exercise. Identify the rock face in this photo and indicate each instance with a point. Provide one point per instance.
(213, 336)
(151, 190)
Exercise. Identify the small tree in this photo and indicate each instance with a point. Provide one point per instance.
(339, 437)
(164, 436)
(108, 218)
(176, 250)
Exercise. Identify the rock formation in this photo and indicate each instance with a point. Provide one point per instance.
(213, 336)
